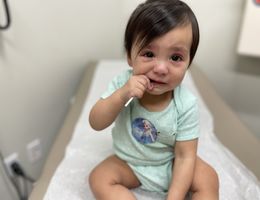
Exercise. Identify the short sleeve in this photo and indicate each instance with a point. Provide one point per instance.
(188, 117)
(117, 83)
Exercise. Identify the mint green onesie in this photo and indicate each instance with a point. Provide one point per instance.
(145, 140)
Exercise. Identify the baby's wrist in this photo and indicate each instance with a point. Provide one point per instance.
(124, 95)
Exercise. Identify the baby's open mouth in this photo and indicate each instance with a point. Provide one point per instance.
(156, 82)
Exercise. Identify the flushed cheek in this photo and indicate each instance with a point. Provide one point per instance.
(176, 80)
(141, 69)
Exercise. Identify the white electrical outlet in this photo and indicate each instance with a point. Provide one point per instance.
(9, 160)
(34, 150)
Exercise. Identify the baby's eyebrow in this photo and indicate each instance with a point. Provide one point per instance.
(180, 48)
(149, 46)
(172, 48)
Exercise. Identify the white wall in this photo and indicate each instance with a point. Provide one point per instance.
(42, 58)
(236, 77)
(43, 55)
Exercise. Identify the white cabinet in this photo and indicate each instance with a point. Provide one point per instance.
(249, 40)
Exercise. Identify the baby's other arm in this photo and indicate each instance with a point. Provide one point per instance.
(183, 170)
(105, 111)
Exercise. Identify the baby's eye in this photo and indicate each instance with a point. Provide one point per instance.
(148, 54)
(176, 58)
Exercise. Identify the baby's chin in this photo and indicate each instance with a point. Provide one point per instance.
(157, 91)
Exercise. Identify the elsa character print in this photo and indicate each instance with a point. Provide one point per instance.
(144, 131)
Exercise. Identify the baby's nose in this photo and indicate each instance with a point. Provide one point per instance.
(161, 67)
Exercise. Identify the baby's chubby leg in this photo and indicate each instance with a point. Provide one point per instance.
(112, 179)
(205, 184)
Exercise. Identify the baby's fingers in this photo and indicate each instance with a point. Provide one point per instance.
(149, 85)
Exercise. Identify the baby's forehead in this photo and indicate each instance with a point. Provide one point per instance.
(176, 41)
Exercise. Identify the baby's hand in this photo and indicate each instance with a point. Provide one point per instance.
(136, 86)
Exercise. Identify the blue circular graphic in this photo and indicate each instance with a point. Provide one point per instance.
(144, 131)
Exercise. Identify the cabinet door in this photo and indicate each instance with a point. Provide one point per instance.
(249, 40)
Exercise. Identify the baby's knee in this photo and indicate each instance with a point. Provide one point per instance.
(99, 181)
(205, 184)
(206, 179)
(211, 183)
(213, 179)
(94, 180)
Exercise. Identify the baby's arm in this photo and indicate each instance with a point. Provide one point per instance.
(105, 111)
(183, 170)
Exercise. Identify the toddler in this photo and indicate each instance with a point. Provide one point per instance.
(155, 137)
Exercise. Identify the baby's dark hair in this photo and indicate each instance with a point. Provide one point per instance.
(154, 18)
